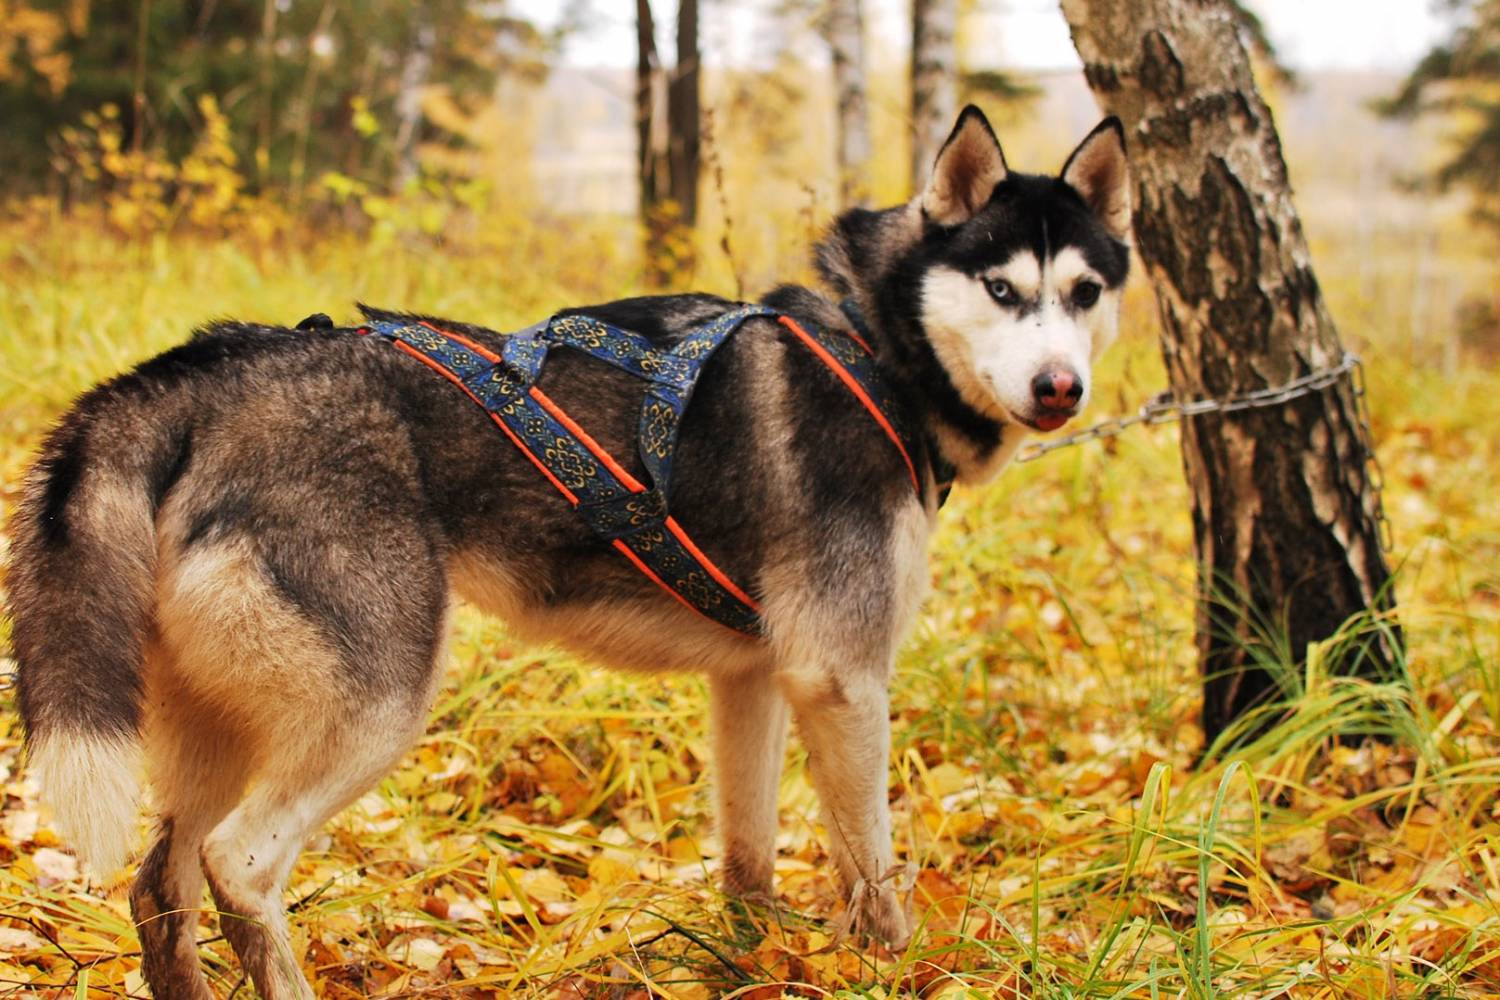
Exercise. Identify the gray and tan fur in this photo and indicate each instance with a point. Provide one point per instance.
(232, 567)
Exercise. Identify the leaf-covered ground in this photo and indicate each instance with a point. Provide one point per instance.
(551, 834)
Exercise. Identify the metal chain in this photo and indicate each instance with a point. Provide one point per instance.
(1162, 409)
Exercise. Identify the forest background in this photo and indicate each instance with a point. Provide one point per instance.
(168, 163)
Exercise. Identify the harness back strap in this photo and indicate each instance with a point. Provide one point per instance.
(628, 514)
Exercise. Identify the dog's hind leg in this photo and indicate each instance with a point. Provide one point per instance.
(323, 665)
(198, 773)
(249, 855)
(749, 723)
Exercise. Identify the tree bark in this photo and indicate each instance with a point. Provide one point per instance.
(652, 166)
(844, 28)
(1284, 514)
(683, 116)
(934, 76)
(267, 94)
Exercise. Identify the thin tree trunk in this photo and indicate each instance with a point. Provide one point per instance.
(845, 30)
(683, 116)
(267, 94)
(651, 143)
(1284, 515)
(138, 85)
(934, 75)
(414, 72)
(298, 172)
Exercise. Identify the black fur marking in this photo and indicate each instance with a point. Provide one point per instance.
(1042, 214)
(162, 484)
(210, 347)
(856, 230)
(216, 521)
(63, 472)
(294, 584)
(645, 316)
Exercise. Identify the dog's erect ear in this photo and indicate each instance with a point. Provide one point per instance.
(968, 167)
(1097, 171)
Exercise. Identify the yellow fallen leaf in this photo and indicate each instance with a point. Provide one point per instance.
(442, 802)
(542, 884)
(947, 778)
(419, 953)
(606, 871)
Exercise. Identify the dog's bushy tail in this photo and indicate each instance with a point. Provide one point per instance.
(80, 587)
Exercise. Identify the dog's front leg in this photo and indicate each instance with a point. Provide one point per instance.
(749, 722)
(843, 717)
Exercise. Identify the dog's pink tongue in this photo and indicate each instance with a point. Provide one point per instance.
(1051, 421)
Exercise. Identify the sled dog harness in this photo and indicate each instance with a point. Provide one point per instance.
(631, 516)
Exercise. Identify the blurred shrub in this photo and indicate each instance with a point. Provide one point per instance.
(138, 192)
(141, 191)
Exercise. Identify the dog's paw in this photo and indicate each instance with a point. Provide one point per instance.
(747, 874)
(882, 916)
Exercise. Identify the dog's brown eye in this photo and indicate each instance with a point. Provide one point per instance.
(1086, 293)
(1003, 292)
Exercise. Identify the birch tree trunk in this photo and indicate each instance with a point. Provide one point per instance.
(934, 76)
(415, 69)
(1284, 516)
(844, 26)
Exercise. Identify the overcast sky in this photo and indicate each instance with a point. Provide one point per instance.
(1312, 34)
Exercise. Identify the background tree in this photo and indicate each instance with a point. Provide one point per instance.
(934, 78)
(286, 77)
(844, 26)
(683, 119)
(653, 169)
(1284, 516)
(940, 81)
(668, 141)
(1460, 80)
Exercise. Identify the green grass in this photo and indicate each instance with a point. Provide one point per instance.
(549, 834)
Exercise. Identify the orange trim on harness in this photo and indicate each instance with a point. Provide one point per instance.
(636, 560)
(859, 393)
(632, 484)
(478, 349)
(623, 474)
(708, 564)
(542, 468)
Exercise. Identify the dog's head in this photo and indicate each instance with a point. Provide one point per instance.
(1021, 280)
(1010, 282)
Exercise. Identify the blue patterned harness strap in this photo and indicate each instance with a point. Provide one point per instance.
(632, 516)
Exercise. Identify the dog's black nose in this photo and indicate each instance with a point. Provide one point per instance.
(1057, 390)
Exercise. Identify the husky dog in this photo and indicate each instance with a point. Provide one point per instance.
(232, 566)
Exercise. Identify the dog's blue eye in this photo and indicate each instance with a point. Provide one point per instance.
(1003, 292)
(1086, 293)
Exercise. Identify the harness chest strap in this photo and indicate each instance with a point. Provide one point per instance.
(623, 511)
